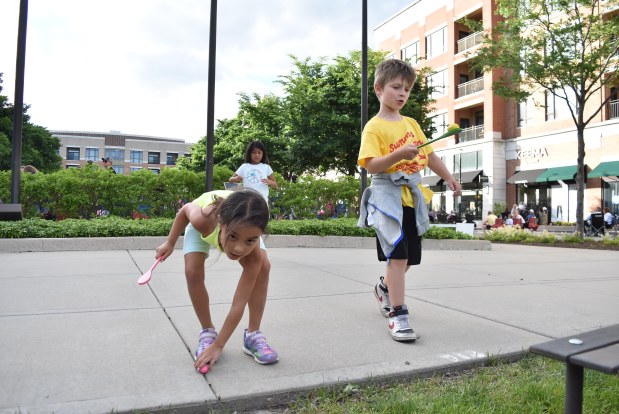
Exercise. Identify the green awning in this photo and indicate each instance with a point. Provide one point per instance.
(558, 173)
(605, 169)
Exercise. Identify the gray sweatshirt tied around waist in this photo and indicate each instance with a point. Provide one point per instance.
(381, 208)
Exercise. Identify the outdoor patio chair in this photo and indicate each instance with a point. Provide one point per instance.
(597, 227)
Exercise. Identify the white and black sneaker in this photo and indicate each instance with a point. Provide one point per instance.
(399, 327)
(382, 296)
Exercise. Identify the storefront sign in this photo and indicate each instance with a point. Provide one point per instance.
(532, 154)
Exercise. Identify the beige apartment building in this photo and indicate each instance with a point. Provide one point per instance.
(508, 152)
(128, 152)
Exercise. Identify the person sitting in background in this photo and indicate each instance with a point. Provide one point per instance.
(609, 220)
(598, 210)
(452, 217)
(432, 216)
(531, 221)
(490, 220)
(528, 218)
(517, 219)
(510, 220)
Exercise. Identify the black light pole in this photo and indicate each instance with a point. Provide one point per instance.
(13, 211)
(364, 80)
(210, 105)
(460, 179)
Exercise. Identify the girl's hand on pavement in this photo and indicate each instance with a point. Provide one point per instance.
(208, 357)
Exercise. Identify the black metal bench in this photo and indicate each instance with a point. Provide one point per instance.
(598, 349)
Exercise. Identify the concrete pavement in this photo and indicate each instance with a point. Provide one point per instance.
(79, 335)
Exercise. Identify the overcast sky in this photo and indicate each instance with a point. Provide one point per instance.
(141, 66)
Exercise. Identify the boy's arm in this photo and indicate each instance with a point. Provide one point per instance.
(437, 166)
(380, 164)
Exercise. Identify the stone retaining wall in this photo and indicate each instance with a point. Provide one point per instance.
(274, 241)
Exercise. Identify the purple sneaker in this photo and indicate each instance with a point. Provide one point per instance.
(255, 344)
(207, 337)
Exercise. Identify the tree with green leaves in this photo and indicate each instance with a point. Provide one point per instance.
(315, 126)
(257, 119)
(322, 106)
(564, 48)
(39, 147)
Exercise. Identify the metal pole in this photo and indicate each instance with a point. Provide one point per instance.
(210, 106)
(364, 80)
(460, 179)
(574, 382)
(18, 109)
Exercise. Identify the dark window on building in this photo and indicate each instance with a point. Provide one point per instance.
(154, 158)
(73, 153)
(171, 158)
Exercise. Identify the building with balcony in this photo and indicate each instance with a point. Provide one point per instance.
(128, 152)
(516, 153)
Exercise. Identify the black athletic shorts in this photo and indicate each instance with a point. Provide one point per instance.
(410, 246)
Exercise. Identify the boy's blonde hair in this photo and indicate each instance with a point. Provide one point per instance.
(391, 69)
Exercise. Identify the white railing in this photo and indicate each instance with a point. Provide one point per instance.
(470, 41)
(614, 109)
(470, 87)
(471, 134)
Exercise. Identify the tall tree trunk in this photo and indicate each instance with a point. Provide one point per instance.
(580, 179)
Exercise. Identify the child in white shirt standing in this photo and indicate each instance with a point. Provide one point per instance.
(256, 173)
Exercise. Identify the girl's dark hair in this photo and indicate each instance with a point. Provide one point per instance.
(244, 206)
(256, 145)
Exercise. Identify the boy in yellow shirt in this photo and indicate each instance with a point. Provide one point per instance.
(395, 203)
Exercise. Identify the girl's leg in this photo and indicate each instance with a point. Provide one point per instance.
(194, 273)
(394, 279)
(254, 342)
(258, 298)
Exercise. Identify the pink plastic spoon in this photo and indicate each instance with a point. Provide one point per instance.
(145, 278)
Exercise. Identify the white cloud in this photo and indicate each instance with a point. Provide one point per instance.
(141, 66)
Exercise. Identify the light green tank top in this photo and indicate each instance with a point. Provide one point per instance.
(206, 200)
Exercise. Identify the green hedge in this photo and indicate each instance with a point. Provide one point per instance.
(117, 227)
(82, 192)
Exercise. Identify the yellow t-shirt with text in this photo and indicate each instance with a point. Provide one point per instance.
(381, 137)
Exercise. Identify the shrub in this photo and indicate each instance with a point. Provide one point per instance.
(82, 192)
(308, 196)
(515, 234)
(117, 227)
